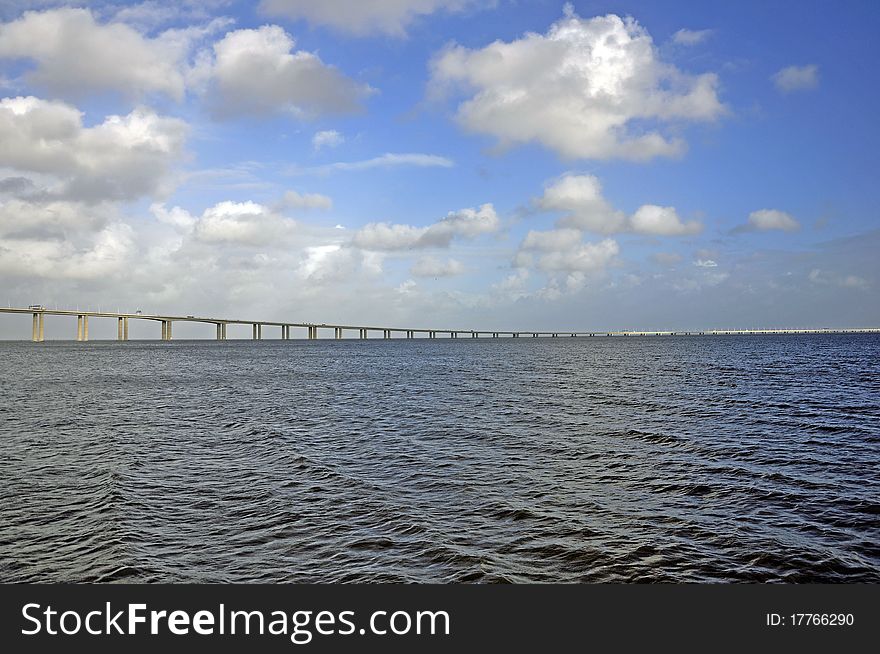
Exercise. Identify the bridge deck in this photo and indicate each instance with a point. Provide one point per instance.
(387, 331)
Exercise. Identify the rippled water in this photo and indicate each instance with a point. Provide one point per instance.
(605, 459)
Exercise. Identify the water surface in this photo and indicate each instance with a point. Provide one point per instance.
(673, 459)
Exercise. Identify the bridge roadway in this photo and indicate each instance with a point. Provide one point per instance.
(167, 321)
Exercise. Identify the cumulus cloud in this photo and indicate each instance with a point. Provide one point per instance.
(661, 221)
(588, 88)
(465, 223)
(74, 54)
(294, 200)
(433, 267)
(579, 257)
(122, 158)
(666, 258)
(796, 78)
(328, 138)
(387, 160)
(238, 223)
(690, 37)
(256, 72)
(364, 16)
(705, 263)
(580, 197)
(769, 219)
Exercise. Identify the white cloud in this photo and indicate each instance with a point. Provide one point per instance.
(74, 54)
(433, 267)
(661, 221)
(328, 138)
(705, 263)
(854, 281)
(387, 160)
(465, 223)
(667, 258)
(122, 158)
(824, 278)
(235, 223)
(767, 219)
(585, 257)
(797, 78)
(580, 196)
(579, 90)
(256, 72)
(550, 240)
(363, 16)
(294, 200)
(690, 37)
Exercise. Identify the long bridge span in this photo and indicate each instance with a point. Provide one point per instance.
(312, 330)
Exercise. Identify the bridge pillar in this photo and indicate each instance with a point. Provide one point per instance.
(219, 332)
(409, 333)
(223, 331)
(475, 335)
(119, 334)
(363, 333)
(79, 328)
(41, 334)
(125, 329)
(85, 328)
(35, 329)
(254, 331)
(164, 331)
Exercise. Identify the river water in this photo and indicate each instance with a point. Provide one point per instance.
(655, 459)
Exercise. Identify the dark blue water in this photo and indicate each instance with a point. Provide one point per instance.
(742, 458)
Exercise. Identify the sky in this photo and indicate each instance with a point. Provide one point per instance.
(471, 164)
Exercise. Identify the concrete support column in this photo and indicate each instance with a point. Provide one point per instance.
(125, 329)
(164, 331)
(79, 328)
(254, 336)
(363, 333)
(219, 332)
(433, 334)
(259, 332)
(168, 331)
(85, 328)
(534, 336)
(223, 331)
(119, 335)
(337, 333)
(474, 335)
(42, 332)
(35, 328)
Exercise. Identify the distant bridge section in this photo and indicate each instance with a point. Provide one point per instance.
(166, 322)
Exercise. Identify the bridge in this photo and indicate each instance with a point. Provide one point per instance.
(312, 330)
(166, 322)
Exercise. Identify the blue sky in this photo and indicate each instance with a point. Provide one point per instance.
(447, 162)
